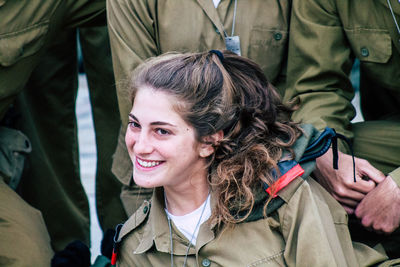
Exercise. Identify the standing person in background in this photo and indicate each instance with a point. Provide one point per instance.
(142, 29)
(326, 37)
(47, 117)
(27, 28)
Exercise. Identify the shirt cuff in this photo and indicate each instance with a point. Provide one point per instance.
(396, 176)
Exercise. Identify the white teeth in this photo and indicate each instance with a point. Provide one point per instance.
(148, 164)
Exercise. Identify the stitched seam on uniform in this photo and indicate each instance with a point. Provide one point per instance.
(267, 259)
(12, 34)
(360, 30)
(265, 29)
(340, 223)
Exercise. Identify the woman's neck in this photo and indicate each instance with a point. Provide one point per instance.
(186, 201)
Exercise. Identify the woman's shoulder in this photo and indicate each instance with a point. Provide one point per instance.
(135, 221)
(307, 194)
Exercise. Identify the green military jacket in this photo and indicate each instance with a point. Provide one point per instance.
(26, 27)
(140, 29)
(309, 228)
(326, 37)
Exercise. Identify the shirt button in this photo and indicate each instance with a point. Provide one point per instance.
(278, 36)
(217, 31)
(206, 262)
(145, 209)
(364, 52)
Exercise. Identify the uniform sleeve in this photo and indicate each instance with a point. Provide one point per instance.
(315, 230)
(396, 176)
(133, 39)
(319, 63)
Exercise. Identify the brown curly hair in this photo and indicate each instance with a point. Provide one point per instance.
(223, 91)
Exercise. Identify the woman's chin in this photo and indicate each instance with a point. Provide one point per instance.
(144, 182)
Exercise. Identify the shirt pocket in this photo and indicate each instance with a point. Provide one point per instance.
(370, 45)
(268, 47)
(17, 45)
(273, 260)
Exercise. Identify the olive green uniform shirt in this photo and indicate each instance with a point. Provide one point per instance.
(309, 229)
(326, 37)
(141, 29)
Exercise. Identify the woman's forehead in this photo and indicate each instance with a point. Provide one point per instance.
(152, 104)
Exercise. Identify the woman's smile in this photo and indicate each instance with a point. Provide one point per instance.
(147, 164)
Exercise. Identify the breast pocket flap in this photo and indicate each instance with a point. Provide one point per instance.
(17, 45)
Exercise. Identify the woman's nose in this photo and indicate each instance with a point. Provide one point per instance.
(143, 144)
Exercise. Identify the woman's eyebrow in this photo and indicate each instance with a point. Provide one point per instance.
(162, 123)
(133, 116)
(155, 122)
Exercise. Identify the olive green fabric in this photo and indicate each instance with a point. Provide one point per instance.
(26, 27)
(378, 141)
(326, 37)
(310, 229)
(24, 240)
(51, 181)
(142, 29)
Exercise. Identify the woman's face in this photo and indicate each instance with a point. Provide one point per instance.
(161, 145)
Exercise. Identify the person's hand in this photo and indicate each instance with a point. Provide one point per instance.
(379, 209)
(75, 254)
(340, 183)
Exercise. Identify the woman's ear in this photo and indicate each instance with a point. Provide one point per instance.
(208, 142)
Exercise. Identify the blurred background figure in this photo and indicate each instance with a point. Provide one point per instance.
(51, 181)
(43, 34)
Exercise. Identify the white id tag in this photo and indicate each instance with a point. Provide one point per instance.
(232, 43)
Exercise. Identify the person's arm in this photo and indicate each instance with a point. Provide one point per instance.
(132, 30)
(319, 64)
(320, 60)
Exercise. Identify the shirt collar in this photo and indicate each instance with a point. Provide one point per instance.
(156, 230)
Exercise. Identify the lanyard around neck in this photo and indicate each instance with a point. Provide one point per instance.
(394, 17)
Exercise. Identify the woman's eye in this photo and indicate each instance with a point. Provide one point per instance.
(162, 131)
(133, 124)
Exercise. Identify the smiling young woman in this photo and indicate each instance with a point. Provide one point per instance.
(211, 134)
(164, 148)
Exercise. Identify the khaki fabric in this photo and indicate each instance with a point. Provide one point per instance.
(326, 37)
(26, 27)
(142, 29)
(24, 240)
(378, 141)
(47, 116)
(309, 229)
